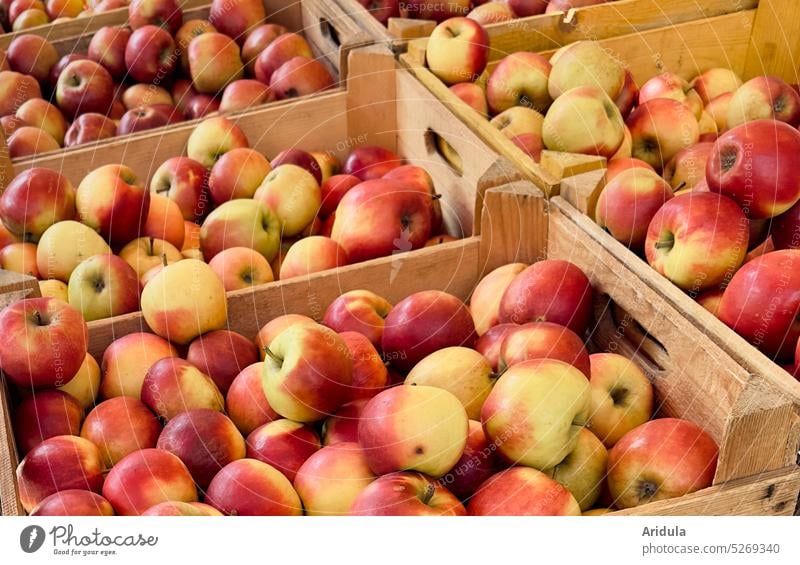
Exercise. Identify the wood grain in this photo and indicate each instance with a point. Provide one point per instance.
(774, 47)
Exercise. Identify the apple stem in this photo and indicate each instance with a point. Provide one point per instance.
(272, 356)
(679, 187)
(164, 259)
(436, 197)
(429, 492)
(151, 245)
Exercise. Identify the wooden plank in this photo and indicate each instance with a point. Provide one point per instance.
(583, 191)
(15, 286)
(406, 28)
(562, 165)
(773, 494)
(774, 47)
(9, 494)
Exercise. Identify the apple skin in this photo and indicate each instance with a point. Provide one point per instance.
(585, 63)
(491, 13)
(89, 127)
(530, 296)
(45, 414)
(284, 445)
(525, 8)
(490, 344)
(257, 41)
(300, 76)
(184, 36)
(617, 166)
(583, 470)
(543, 340)
(660, 128)
(144, 118)
(164, 221)
(205, 440)
(371, 162)
(370, 375)
(150, 54)
(84, 87)
(417, 428)
(241, 223)
(236, 18)
(458, 50)
(246, 403)
(521, 491)
(281, 50)
(661, 459)
(52, 328)
(478, 462)
(20, 258)
(535, 412)
(141, 94)
(342, 425)
(628, 96)
(672, 86)
(688, 167)
(241, 267)
(222, 355)
(212, 138)
(715, 82)
(107, 47)
(144, 253)
(425, 322)
(359, 311)
(751, 292)
(627, 204)
(64, 8)
(237, 174)
(330, 480)
(764, 98)
(84, 386)
(43, 115)
(34, 200)
(145, 478)
(32, 55)
(785, 230)
(406, 494)
(472, 95)
(73, 502)
(312, 255)
(103, 286)
(173, 386)
(200, 307)
(119, 426)
(484, 304)
(184, 181)
(245, 93)
(697, 240)
(248, 487)
(523, 126)
(214, 62)
(28, 141)
(294, 195)
(302, 159)
(275, 327)
(519, 79)
(126, 361)
(30, 18)
(15, 90)
(64, 245)
(163, 13)
(307, 372)
(57, 464)
(333, 190)
(763, 154)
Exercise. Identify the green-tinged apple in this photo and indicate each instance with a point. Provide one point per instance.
(119, 426)
(674, 87)
(20, 258)
(293, 194)
(103, 286)
(173, 386)
(212, 138)
(64, 245)
(484, 303)
(660, 128)
(85, 385)
(764, 98)
(523, 126)
(184, 36)
(585, 63)
(144, 253)
(718, 110)
(126, 361)
(241, 223)
(583, 470)
(178, 508)
(519, 79)
(248, 487)
(458, 50)
(715, 82)
(491, 13)
(521, 491)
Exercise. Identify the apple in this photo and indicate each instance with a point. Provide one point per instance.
(472, 95)
(241, 267)
(758, 154)
(221, 355)
(763, 98)
(300, 76)
(715, 82)
(73, 502)
(89, 127)
(628, 96)
(521, 491)
(294, 194)
(145, 478)
(275, 327)
(302, 159)
(718, 110)
(64, 245)
(457, 50)
(617, 166)
(184, 300)
(107, 47)
(103, 286)
(628, 203)
(697, 240)
(164, 221)
(333, 190)
(382, 10)
(785, 229)
(491, 13)
(182, 180)
(212, 138)
(184, 36)
(205, 440)
(34, 200)
(237, 174)
(214, 62)
(244, 93)
(525, 8)
(32, 55)
(84, 386)
(173, 386)
(307, 372)
(246, 403)
(674, 87)
(582, 64)
(54, 330)
(62, 63)
(523, 126)
(120, 426)
(536, 410)
(126, 361)
(143, 118)
(485, 300)
(241, 223)
(661, 459)
(543, 340)
(257, 41)
(342, 425)
(64, 8)
(751, 293)
(150, 54)
(6, 237)
(331, 479)
(30, 18)
(490, 343)
(163, 13)
(359, 311)
(177, 508)
(688, 166)
(519, 79)
(417, 428)
(20, 258)
(15, 90)
(10, 124)
(45, 414)
(248, 487)
(144, 253)
(283, 444)
(312, 255)
(84, 87)
(370, 375)
(27, 141)
(660, 128)
(406, 494)
(281, 50)
(478, 462)
(371, 162)
(237, 18)
(57, 464)
(41, 114)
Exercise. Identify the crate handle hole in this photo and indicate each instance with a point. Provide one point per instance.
(328, 31)
(436, 144)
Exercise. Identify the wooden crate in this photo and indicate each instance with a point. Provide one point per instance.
(764, 40)
(548, 31)
(756, 424)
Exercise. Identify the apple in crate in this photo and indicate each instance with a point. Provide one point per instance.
(41, 114)
(45, 414)
(525, 8)
(145, 253)
(15, 89)
(184, 300)
(103, 286)
(371, 162)
(628, 96)
(293, 194)
(359, 311)
(89, 127)
(552, 290)
(280, 50)
(214, 62)
(177, 508)
(246, 403)
(785, 229)
(302, 159)
(523, 126)
(478, 462)
(519, 79)
(697, 240)
(184, 36)
(54, 330)
(583, 471)
(164, 221)
(163, 13)
(307, 372)
(757, 164)
(236, 18)
(73, 502)
(244, 93)
(140, 94)
(241, 267)
(582, 64)
(688, 167)
(660, 128)
(126, 362)
(458, 50)
(283, 444)
(370, 375)
(536, 410)
(312, 255)
(85, 385)
(406, 494)
(34, 200)
(143, 118)
(27, 141)
(221, 355)
(241, 223)
(715, 82)
(300, 76)
(212, 138)
(522, 491)
(237, 174)
(332, 478)
(485, 300)
(57, 464)
(419, 428)
(145, 478)
(248, 487)
(673, 87)
(764, 98)
(19, 258)
(543, 340)
(182, 180)
(107, 47)
(276, 326)
(425, 322)
(490, 344)
(150, 54)
(472, 95)
(257, 41)
(491, 13)
(661, 459)
(32, 55)
(173, 386)
(119, 426)
(84, 86)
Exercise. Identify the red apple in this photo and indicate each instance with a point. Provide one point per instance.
(472, 95)
(163, 13)
(458, 50)
(150, 54)
(371, 162)
(369, 371)
(519, 79)
(275, 327)
(46, 414)
(525, 8)
(248, 487)
(246, 403)
(15, 90)
(300, 76)
(358, 311)
(521, 491)
(89, 127)
(34, 200)
(119, 426)
(283, 444)
(83, 87)
(406, 494)
(107, 47)
(27, 141)
(342, 425)
(484, 303)
(173, 386)
(222, 355)
(785, 230)
(478, 462)
(333, 190)
(281, 50)
(236, 18)
(660, 128)
(147, 117)
(764, 98)
(257, 41)
(490, 344)
(184, 181)
(32, 55)
(126, 361)
(244, 93)
(73, 502)
(543, 340)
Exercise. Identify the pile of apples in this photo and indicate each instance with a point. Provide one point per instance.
(18, 15)
(253, 220)
(425, 407)
(156, 71)
(482, 11)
